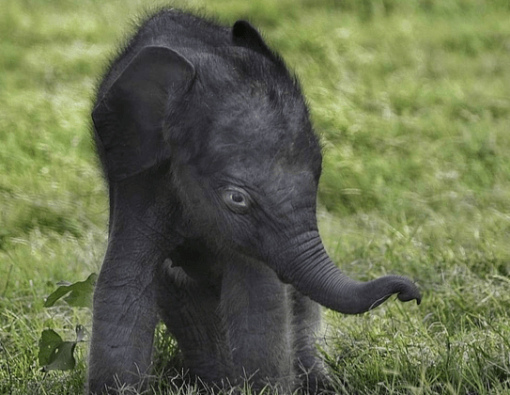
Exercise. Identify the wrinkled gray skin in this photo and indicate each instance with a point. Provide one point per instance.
(213, 168)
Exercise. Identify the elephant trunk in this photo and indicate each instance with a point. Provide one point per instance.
(312, 273)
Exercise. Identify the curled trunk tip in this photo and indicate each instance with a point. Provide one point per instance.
(405, 289)
(409, 291)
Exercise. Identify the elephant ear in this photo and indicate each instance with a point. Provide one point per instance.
(245, 35)
(128, 120)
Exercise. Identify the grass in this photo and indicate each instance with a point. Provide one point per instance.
(412, 104)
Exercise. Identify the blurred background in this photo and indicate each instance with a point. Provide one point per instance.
(411, 101)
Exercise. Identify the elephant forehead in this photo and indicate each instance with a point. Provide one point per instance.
(267, 130)
(252, 125)
(262, 154)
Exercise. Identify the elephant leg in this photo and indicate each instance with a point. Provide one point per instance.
(189, 309)
(306, 324)
(256, 306)
(123, 325)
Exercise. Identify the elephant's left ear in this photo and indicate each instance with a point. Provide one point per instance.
(128, 120)
(244, 34)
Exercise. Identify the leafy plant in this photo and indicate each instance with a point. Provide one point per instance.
(54, 352)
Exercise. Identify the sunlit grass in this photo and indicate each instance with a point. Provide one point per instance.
(411, 101)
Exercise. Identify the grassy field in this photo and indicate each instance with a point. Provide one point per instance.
(412, 102)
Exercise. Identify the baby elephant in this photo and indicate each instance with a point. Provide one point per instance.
(213, 166)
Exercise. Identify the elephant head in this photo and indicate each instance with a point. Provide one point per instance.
(224, 135)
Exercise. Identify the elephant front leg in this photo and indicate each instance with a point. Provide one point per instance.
(189, 309)
(123, 326)
(256, 307)
(306, 325)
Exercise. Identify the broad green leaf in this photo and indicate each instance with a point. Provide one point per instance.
(55, 354)
(79, 293)
(49, 341)
(62, 358)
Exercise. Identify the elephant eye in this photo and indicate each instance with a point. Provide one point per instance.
(236, 200)
(236, 197)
